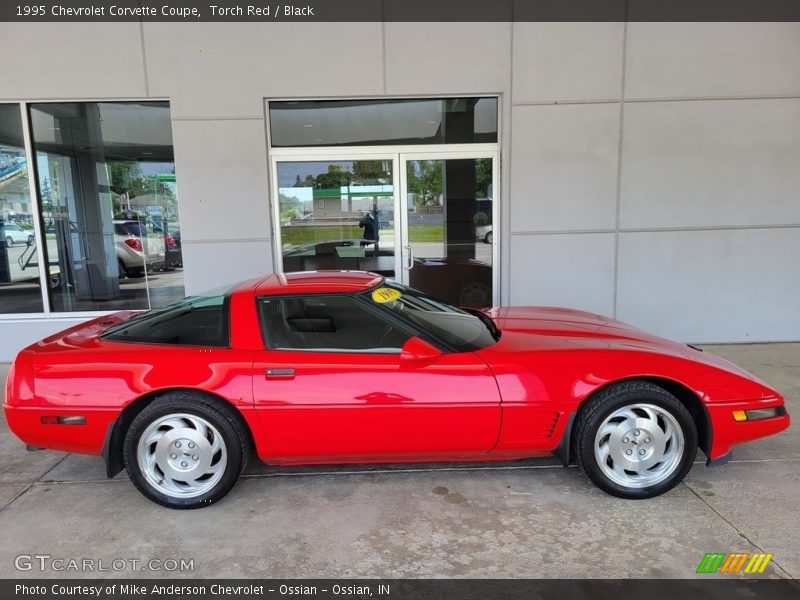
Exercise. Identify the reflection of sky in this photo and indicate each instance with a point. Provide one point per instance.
(304, 194)
(155, 168)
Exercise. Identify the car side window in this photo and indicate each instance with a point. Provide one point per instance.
(193, 321)
(328, 323)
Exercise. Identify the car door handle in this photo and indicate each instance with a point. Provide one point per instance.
(279, 374)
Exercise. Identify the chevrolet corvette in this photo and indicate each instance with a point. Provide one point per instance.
(348, 367)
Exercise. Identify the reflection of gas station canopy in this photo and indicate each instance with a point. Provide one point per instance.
(350, 199)
(361, 191)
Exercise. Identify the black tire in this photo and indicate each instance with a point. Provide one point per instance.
(9, 241)
(616, 397)
(121, 269)
(489, 238)
(222, 417)
(30, 240)
(135, 272)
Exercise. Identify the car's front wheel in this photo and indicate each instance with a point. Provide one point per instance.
(635, 440)
(185, 451)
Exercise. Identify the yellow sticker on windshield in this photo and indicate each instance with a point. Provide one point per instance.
(385, 294)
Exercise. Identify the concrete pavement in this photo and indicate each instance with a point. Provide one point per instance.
(522, 519)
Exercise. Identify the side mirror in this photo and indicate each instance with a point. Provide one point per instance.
(416, 349)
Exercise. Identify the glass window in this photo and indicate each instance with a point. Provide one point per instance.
(194, 321)
(328, 324)
(20, 290)
(450, 229)
(106, 177)
(337, 215)
(463, 331)
(383, 122)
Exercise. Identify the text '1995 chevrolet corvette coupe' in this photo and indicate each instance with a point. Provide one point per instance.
(347, 367)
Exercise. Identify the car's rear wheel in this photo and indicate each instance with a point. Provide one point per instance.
(9, 241)
(489, 238)
(185, 451)
(635, 440)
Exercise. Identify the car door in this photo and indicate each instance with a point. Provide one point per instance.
(332, 385)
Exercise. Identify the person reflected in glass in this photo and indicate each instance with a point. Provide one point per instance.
(370, 226)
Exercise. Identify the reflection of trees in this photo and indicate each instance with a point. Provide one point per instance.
(127, 182)
(336, 177)
(425, 181)
(290, 207)
(483, 177)
(362, 172)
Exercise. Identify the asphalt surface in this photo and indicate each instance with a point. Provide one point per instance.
(523, 519)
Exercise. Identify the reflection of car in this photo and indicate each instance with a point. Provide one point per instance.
(16, 235)
(460, 281)
(174, 252)
(484, 232)
(135, 249)
(348, 367)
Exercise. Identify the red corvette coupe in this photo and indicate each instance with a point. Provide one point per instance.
(340, 367)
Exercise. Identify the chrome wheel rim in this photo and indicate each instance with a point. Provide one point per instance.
(639, 445)
(182, 455)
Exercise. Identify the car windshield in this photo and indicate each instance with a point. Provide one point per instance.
(194, 321)
(461, 330)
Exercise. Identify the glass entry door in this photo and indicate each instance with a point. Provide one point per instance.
(338, 214)
(422, 218)
(448, 247)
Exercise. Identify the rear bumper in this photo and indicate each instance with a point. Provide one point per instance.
(39, 427)
(728, 432)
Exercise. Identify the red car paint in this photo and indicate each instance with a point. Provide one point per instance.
(512, 399)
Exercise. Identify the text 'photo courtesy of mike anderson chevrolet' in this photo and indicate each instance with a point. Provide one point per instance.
(349, 367)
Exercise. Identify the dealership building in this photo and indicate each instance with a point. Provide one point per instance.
(645, 171)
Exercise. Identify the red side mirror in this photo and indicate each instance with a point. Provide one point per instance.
(417, 349)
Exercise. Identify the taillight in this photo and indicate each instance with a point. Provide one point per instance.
(134, 243)
(171, 242)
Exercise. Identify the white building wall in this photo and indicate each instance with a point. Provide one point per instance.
(702, 200)
(649, 170)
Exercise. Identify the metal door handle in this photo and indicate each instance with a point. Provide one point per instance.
(410, 252)
(279, 374)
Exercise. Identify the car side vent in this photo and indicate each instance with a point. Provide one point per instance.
(552, 426)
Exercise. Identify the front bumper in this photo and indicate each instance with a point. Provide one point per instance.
(728, 432)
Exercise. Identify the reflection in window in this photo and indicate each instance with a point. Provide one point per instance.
(328, 324)
(20, 290)
(195, 321)
(337, 215)
(450, 229)
(108, 198)
(383, 122)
